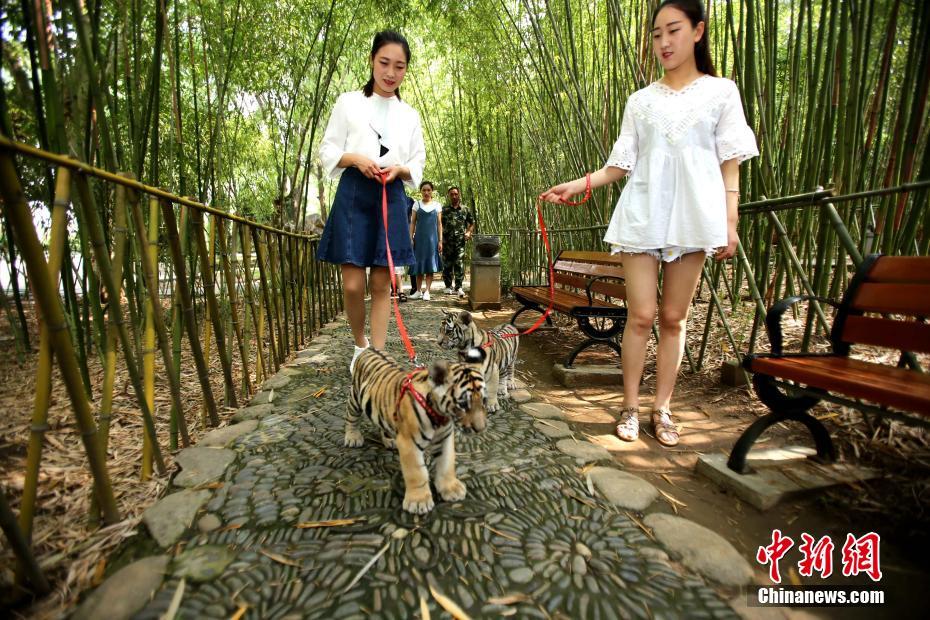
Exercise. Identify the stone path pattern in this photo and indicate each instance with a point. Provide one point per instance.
(544, 532)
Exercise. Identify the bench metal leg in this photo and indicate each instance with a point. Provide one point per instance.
(826, 452)
(590, 343)
(513, 319)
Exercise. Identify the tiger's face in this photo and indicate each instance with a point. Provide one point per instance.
(459, 390)
(454, 331)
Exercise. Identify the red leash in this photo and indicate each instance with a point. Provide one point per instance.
(411, 353)
(545, 236)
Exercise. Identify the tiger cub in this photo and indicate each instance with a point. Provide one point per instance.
(454, 392)
(459, 331)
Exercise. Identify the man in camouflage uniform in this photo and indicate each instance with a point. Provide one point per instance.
(458, 224)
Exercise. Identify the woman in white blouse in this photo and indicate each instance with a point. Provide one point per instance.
(681, 142)
(371, 135)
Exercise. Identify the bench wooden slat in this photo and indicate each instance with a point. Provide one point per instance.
(564, 301)
(909, 299)
(903, 335)
(605, 288)
(909, 269)
(589, 269)
(894, 387)
(601, 258)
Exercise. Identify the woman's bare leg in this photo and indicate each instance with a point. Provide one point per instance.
(641, 272)
(678, 285)
(353, 296)
(380, 284)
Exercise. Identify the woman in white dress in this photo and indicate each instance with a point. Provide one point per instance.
(681, 141)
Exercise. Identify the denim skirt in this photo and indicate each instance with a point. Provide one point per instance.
(354, 231)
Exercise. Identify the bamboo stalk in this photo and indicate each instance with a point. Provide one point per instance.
(103, 260)
(214, 309)
(187, 304)
(16, 211)
(259, 258)
(44, 367)
(244, 239)
(150, 262)
(233, 302)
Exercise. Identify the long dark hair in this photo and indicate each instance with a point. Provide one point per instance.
(695, 12)
(381, 39)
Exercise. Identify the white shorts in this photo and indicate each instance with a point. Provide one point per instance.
(666, 254)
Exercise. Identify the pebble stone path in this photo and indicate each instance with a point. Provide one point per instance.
(538, 536)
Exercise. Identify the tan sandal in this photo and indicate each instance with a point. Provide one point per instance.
(666, 431)
(628, 426)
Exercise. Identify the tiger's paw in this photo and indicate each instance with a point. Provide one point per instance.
(493, 406)
(452, 490)
(418, 502)
(353, 438)
(388, 442)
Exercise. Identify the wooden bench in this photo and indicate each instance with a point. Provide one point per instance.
(886, 305)
(579, 276)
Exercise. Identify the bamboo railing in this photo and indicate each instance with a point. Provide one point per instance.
(804, 244)
(126, 251)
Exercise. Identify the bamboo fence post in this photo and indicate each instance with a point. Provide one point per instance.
(190, 320)
(244, 239)
(177, 411)
(269, 313)
(214, 308)
(120, 231)
(233, 301)
(208, 314)
(17, 212)
(103, 260)
(44, 368)
(276, 281)
(150, 275)
(149, 252)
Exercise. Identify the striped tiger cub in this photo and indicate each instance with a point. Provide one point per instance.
(454, 392)
(459, 331)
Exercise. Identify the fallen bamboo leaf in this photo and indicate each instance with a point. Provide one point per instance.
(279, 558)
(641, 526)
(587, 479)
(424, 609)
(209, 485)
(510, 599)
(367, 566)
(672, 499)
(240, 612)
(98, 571)
(319, 392)
(172, 610)
(500, 533)
(449, 605)
(227, 528)
(306, 525)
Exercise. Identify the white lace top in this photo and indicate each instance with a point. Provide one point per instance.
(360, 124)
(673, 143)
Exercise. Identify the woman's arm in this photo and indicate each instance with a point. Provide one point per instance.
(730, 171)
(413, 223)
(439, 224)
(561, 193)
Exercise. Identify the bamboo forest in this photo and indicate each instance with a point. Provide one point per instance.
(179, 394)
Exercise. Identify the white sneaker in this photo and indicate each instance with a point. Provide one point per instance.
(460, 293)
(426, 296)
(358, 351)
(416, 295)
(448, 291)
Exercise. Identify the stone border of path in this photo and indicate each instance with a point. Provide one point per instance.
(129, 589)
(696, 547)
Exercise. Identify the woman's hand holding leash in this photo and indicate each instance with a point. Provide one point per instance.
(560, 194)
(730, 250)
(366, 166)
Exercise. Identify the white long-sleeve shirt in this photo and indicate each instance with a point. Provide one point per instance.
(360, 124)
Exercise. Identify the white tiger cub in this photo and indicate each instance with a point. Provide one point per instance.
(459, 331)
(446, 393)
